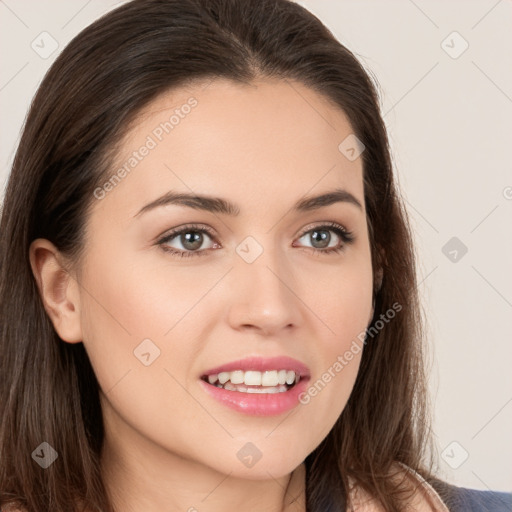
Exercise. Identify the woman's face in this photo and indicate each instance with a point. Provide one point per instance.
(158, 313)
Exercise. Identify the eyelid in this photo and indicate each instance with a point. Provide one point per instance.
(201, 227)
(324, 224)
(186, 227)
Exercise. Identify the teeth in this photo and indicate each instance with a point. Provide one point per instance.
(269, 378)
(224, 377)
(252, 379)
(237, 377)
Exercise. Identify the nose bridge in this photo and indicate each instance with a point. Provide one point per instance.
(262, 261)
(264, 285)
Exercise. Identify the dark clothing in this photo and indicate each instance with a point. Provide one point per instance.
(461, 499)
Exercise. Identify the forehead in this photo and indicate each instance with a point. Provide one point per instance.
(256, 144)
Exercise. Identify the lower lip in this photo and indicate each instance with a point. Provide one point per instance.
(258, 404)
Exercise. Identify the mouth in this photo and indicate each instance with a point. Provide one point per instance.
(258, 386)
(252, 381)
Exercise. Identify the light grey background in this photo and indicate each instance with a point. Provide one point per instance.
(449, 115)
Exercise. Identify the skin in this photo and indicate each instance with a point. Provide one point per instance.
(168, 445)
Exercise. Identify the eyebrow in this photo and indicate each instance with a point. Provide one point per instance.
(220, 205)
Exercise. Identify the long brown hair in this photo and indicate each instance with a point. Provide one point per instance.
(100, 81)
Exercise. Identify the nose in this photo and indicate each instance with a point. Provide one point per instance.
(265, 296)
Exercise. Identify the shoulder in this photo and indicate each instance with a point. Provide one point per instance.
(462, 499)
(436, 495)
(417, 494)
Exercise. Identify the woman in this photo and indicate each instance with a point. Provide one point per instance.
(207, 277)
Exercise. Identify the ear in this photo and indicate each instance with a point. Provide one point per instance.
(59, 291)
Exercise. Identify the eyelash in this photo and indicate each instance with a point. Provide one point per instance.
(346, 237)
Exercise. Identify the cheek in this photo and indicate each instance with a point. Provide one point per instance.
(340, 296)
(342, 300)
(139, 339)
(138, 299)
(135, 306)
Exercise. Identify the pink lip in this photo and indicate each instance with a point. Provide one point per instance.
(257, 404)
(262, 364)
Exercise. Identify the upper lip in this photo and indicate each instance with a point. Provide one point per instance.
(262, 364)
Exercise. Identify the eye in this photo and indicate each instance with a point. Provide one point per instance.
(192, 238)
(321, 238)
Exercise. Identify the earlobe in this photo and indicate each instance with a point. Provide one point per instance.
(58, 289)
